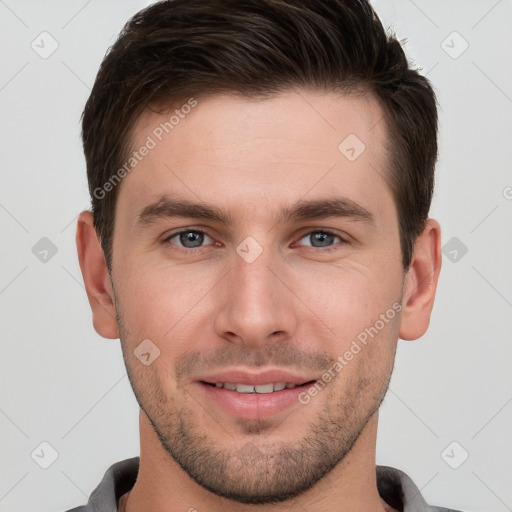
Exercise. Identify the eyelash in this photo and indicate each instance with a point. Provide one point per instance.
(167, 240)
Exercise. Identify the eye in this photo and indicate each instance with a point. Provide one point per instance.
(188, 239)
(321, 238)
(195, 239)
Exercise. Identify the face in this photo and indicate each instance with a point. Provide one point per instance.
(285, 274)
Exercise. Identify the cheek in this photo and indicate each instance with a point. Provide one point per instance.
(348, 298)
(364, 365)
(159, 303)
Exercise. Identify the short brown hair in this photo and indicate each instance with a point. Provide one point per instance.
(177, 49)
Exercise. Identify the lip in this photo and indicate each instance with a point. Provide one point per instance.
(241, 376)
(253, 406)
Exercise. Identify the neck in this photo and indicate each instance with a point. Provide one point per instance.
(163, 486)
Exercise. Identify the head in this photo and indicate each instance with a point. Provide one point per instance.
(298, 148)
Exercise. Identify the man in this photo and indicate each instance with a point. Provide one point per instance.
(261, 173)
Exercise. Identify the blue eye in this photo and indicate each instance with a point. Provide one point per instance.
(195, 239)
(189, 239)
(319, 239)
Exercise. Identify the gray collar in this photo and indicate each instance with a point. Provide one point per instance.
(394, 486)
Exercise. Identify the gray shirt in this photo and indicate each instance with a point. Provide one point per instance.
(394, 486)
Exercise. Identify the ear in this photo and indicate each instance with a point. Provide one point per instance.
(96, 277)
(421, 282)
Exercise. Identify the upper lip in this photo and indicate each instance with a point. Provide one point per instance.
(244, 376)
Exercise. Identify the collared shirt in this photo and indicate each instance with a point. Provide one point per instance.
(394, 487)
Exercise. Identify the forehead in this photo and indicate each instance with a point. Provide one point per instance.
(294, 144)
(305, 116)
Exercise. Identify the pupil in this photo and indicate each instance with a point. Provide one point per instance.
(191, 237)
(323, 238)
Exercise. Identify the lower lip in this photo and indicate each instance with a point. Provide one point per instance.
(253, 406)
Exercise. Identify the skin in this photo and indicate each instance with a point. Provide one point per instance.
(295, 307)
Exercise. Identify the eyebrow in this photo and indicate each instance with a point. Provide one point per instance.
(166, 207)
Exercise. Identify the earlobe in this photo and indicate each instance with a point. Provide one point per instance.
(421, 282)
(96, 277)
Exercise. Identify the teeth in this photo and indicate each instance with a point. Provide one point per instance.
(260, 388)
(263, 388)
(244, 388)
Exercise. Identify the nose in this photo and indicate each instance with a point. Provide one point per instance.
(256, 304)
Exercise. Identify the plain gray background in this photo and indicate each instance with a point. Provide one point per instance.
(450, 395)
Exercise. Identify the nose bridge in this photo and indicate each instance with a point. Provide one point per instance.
(255, 303)
(255, 282)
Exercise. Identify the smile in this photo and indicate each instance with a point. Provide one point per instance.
(259, 388)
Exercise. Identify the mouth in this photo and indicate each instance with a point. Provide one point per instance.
(253, 396)
(263, 389)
